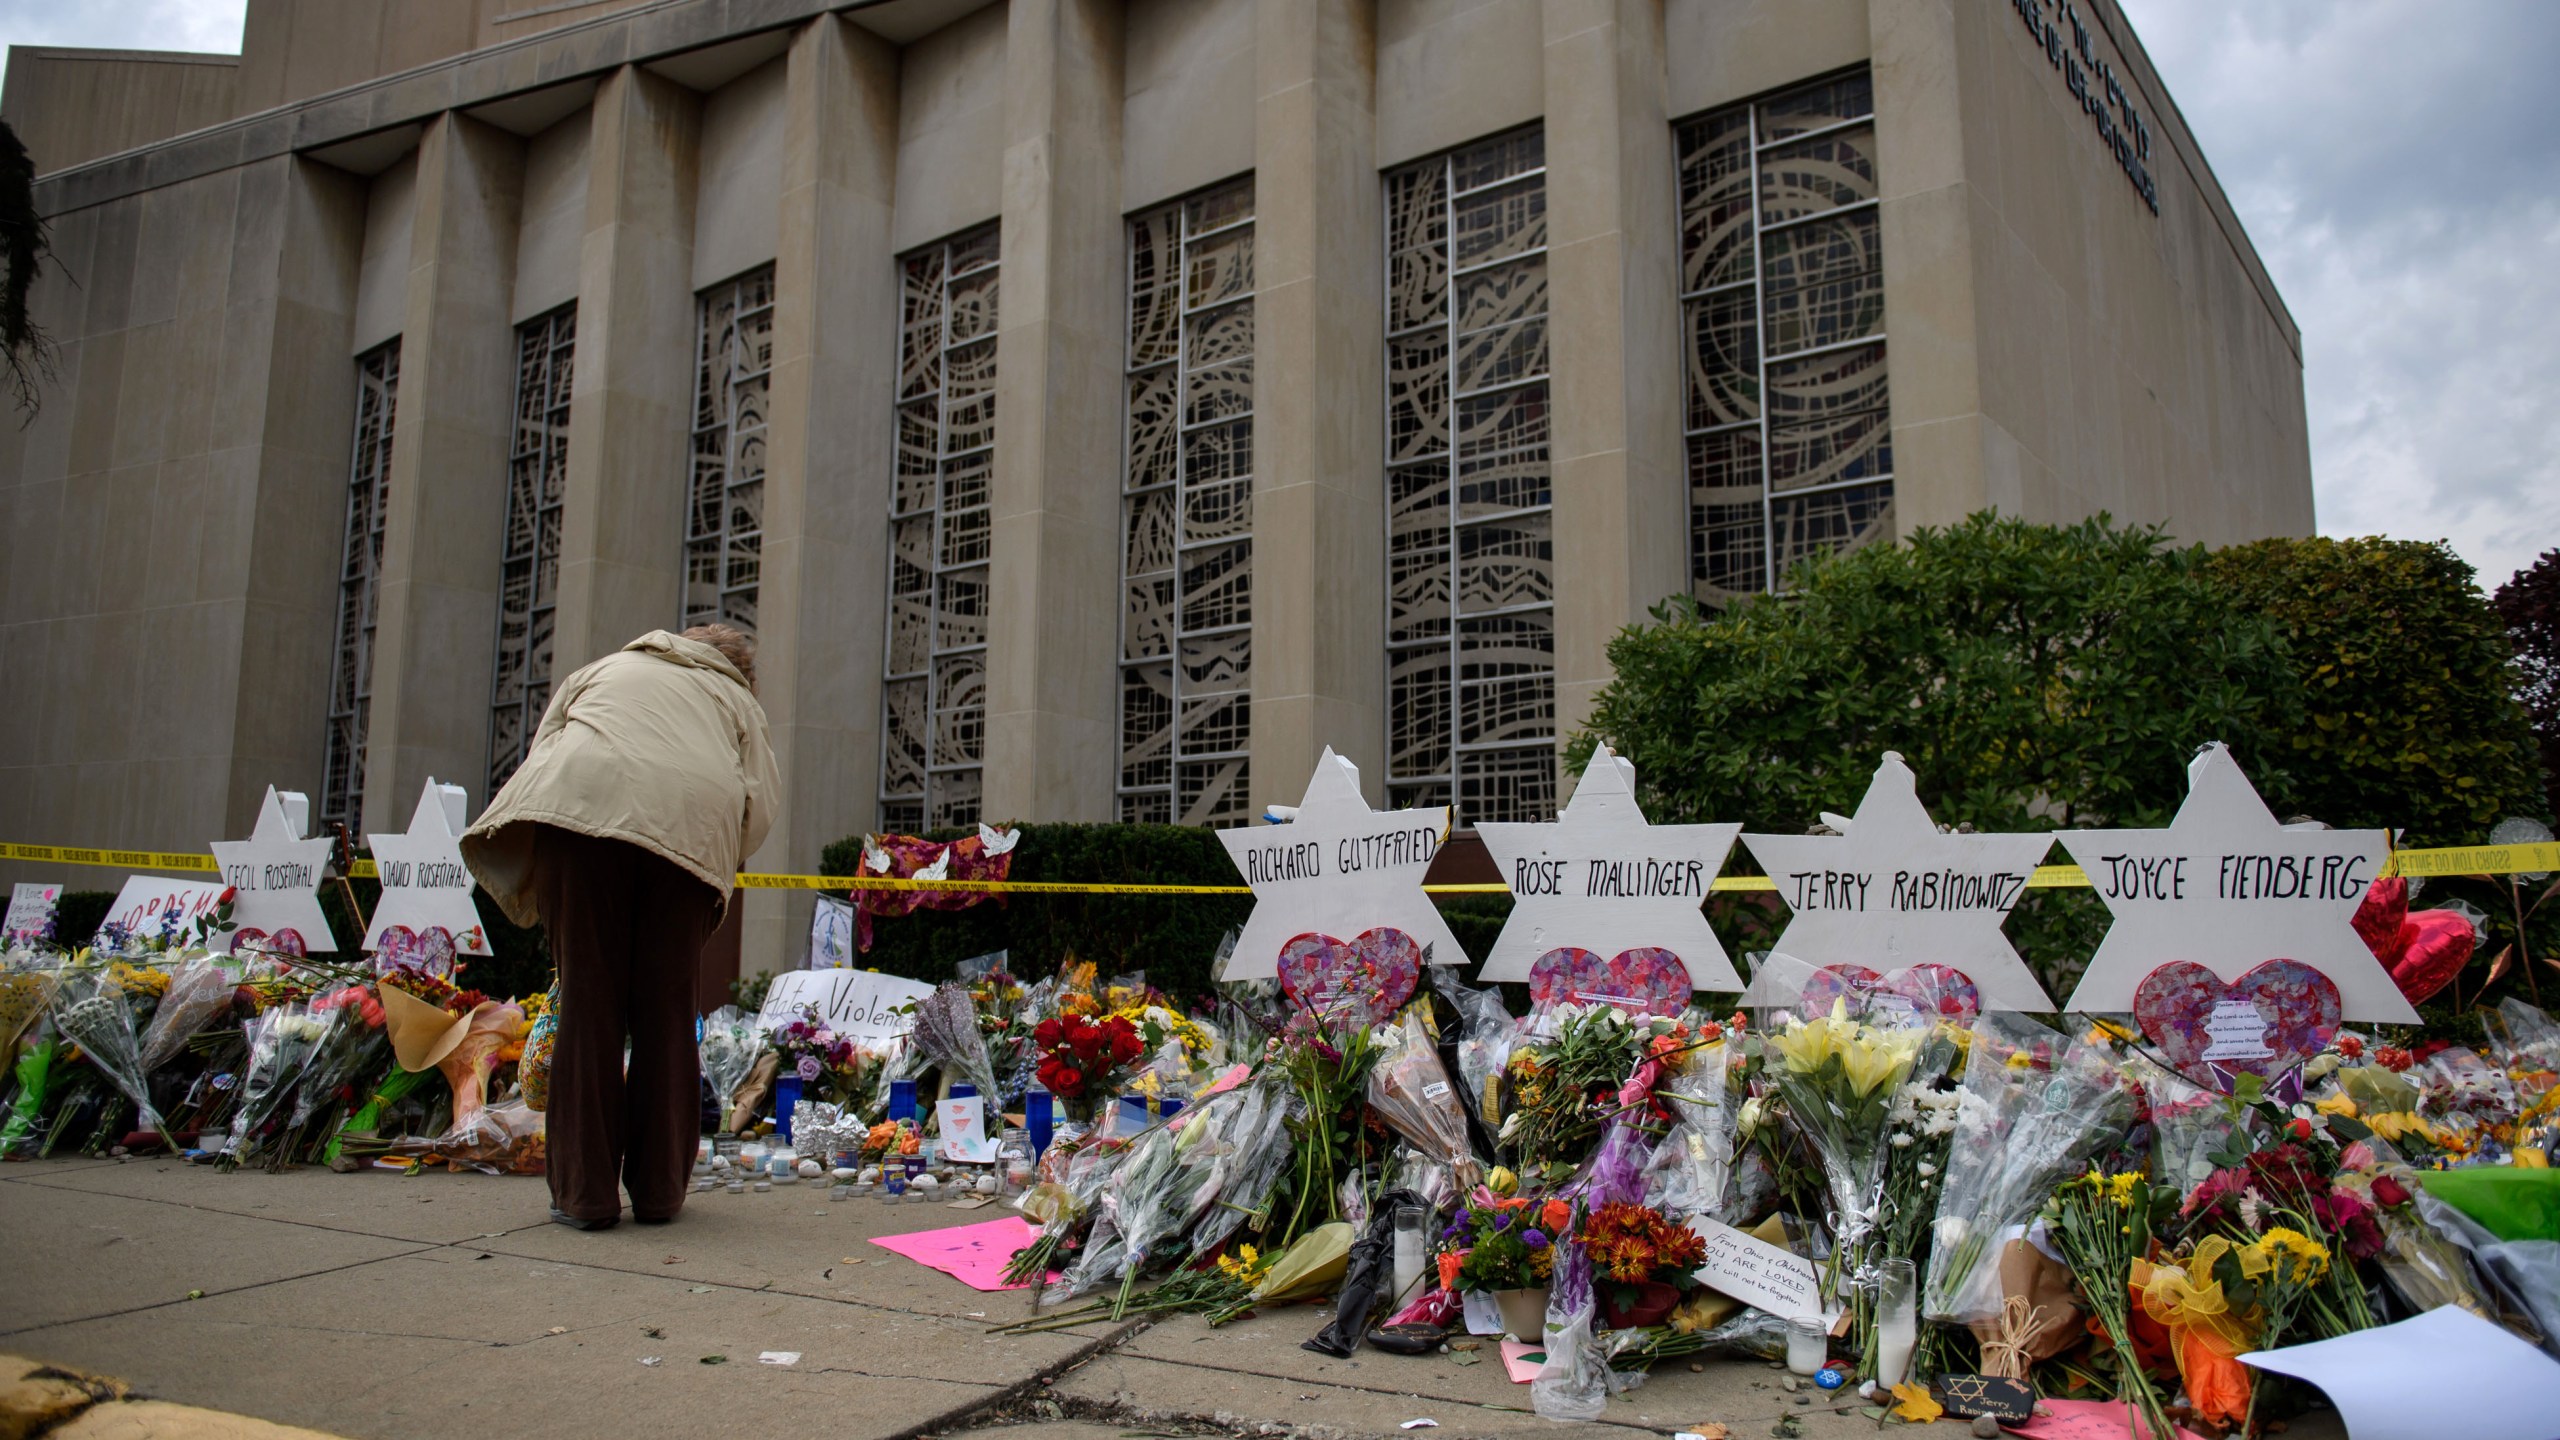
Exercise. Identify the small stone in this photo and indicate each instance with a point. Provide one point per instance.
(1986, 1428)
(1791, 1384)
(1804, 1399)
(1697, 1369)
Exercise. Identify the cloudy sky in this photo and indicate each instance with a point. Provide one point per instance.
(2396, 161)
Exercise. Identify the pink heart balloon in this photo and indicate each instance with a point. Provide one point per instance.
(2178, 1004)
(1939, 990)
(1367, 979)
(1648, 980)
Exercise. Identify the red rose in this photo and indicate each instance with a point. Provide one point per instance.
(2388, 1191)
(1045, 1034)
(229, 893)
(1087, 1044)
(2300, 1129)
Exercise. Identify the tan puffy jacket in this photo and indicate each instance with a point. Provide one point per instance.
(660, 744)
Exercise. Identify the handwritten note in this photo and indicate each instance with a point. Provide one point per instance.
(2236, 1031)
(860, 1005)
(964, 1130)
(1757, 1272)
(30, 910)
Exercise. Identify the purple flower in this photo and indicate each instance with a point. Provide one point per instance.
(1534, 1239)
(809, 1067)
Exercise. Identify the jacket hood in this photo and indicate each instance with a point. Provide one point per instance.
(675, 649)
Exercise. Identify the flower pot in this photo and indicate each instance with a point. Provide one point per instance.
(1524, 1312)
(786, 1098)
(1648, 1305)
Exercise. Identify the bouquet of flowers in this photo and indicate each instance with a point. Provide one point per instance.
(95, 1010)
(1564, 1087)
(808, 1049)
(2103, 1224)
(946, 1030)
(731, 1041)
(1691, 1168)
(1328, 1067)
(1497, 1244)
(282, 1041)
(1642, 1261)
(2033, 1111)
(199, 989)
(490, 1028)
(1081, 1058)
(1074, 1172)
(1485, 1032)
(1410, 1090)
(1836, 1080)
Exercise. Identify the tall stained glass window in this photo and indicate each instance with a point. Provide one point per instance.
(1782, 281)
(1471, 668)
(724, 523)
(360, 587)
(933, 732)
(529, 578)
(1186, 566)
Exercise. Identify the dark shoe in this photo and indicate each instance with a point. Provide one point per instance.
(563, 1217)
(653, 1219)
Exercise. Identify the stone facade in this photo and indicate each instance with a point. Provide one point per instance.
(443, 176)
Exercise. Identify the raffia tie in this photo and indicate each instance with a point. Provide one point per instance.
(2005, 1354)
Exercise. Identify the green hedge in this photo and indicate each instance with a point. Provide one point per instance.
(1173, 938)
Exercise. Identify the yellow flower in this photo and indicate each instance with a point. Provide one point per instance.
(2532, 1157)
(1246, 1264)
(1501, 1180)
(2395, 1125)
(2120, 1189)
(2021, 1060)
(2338, 1104)
(2271, 1251)
(1871, 1060)
(1806, 1044)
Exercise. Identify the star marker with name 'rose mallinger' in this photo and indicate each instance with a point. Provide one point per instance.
(2229, 888)
(1599, 878)
(1896, 891)
(1340, 869)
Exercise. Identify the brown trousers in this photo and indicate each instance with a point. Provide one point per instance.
(626, 929)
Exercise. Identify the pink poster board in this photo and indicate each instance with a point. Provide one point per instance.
(974, 1255)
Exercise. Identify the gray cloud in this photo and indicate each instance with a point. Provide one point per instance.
(206, 26)
(2397, 163)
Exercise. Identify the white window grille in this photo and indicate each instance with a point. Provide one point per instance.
(933, 730)
(529, 578)
(1186, 616)
(360, 587)
(1782, 281)
(1471, 678)
(724, 523)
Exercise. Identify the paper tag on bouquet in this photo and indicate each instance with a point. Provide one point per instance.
(964, 1130)
(1484, 1317)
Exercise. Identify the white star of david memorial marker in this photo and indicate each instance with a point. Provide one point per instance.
(1339, 869)
(276, 873)
(2229, 888)
(1895, 892)
(1599, 878)
(424, 882)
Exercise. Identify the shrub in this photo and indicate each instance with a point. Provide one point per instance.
(2405, 671)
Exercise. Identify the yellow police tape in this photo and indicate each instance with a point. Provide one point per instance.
(2451, 860)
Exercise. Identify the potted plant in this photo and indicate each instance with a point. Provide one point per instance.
(1643, 1263)
(1506, 1247)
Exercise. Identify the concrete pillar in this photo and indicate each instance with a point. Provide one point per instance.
(622, 519)
(820, 616)
(434, 641)
(1613, 272)
(1053, 631)
(1319, 572)
(283, 417)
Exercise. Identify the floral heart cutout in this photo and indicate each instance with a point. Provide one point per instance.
(2267, 1023)
(1930, 990)
(426, 952)
(1647, 980)
(1365, 979)
(287, 941)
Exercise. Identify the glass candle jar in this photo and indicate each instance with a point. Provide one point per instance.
(1808, 1344)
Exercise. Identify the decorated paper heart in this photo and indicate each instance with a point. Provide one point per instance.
(1647, 980)
(1930, 990)
(2267, 1022)
(287, 941)
(395, 949)
(1364, 980)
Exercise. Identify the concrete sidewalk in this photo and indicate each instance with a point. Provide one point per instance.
(373, 1305)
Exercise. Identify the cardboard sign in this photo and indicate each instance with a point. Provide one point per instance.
(1340, 868)
(964, 1130)
(1894, 892)
(425, 885)
(860, 1005)
(1997, 1396)
(1756, 1272)
(831, 935)
(146, 901)
(30, 910)
(2228, 888)
(276, 875)
(1602, 881)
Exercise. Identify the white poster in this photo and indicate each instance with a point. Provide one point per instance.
(831, 935)
(1339, 869)
(30, 910)
(275, 875)
(425, 885)
(1895, 891)
(860, 1005)
(1600, 879)
(2229, 888)
(151, 906)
